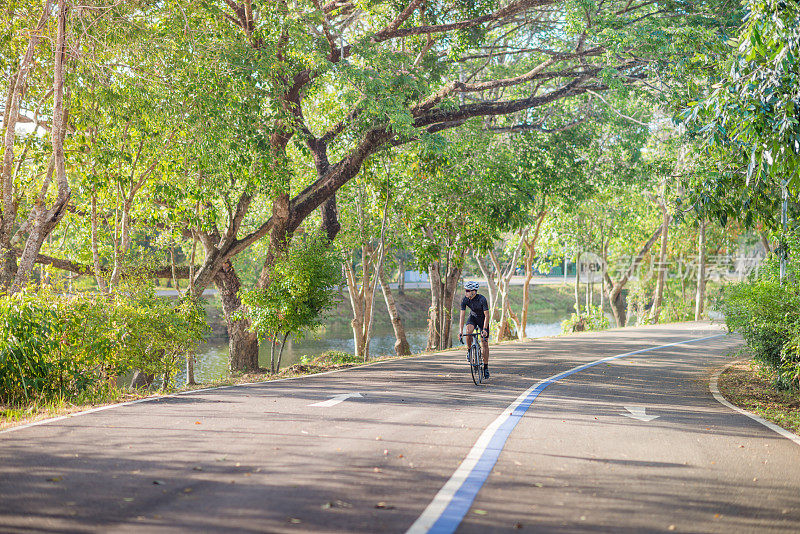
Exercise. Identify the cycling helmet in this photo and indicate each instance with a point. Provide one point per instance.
(470, 285)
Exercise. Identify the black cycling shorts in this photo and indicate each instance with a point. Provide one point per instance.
(477, 322)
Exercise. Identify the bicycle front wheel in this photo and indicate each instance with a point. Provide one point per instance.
(474, 366)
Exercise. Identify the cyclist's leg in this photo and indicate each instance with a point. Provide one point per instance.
(485, 349)
(469, 328)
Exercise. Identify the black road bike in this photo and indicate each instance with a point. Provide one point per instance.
(474, 357)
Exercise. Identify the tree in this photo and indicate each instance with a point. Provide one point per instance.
(552, 164)
(364, 207)
(41, 219)
(457, 200)
(282, 103)
(302, 287)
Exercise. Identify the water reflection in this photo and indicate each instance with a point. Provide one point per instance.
(212, 358)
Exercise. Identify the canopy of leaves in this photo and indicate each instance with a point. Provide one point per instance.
(749, 118)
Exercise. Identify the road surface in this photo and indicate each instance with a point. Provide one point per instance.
(632, 443)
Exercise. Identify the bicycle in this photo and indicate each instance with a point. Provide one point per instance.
(474, 357)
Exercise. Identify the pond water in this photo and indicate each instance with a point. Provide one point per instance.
(212, 358)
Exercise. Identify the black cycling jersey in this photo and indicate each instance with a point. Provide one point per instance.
(477, 306)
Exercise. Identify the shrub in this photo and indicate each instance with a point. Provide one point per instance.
(592, 319)
(332, 357)
(54, 346)
(767, 315)
(73, 347)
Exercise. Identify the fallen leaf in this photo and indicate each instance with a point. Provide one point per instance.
(517, 526)
(158, 482)
(294, 521)
(336, 504)
(127, 499)
(479, 512)
(198, 423)
(384, 506)
(197, 468)
(54, 479)
(187, 490)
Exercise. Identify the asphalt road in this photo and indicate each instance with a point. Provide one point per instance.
(263, 458)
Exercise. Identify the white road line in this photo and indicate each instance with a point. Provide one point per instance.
(333, 401)
(712, 385)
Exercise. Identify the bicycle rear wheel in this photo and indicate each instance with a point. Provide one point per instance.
(474, 357)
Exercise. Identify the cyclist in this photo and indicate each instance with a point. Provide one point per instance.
(478, 318)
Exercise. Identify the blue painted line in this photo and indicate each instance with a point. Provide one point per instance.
(463, 498)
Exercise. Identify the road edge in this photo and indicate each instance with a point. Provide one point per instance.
(713, 386)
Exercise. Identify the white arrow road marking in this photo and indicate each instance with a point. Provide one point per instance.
(637, 412)
(333, 401)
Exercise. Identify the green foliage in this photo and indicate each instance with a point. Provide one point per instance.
(590, 320)
(749, 120)
(74, 346)
(462, 196)
(301, 288)
(158, 332)
(767, 315)
(332, 357)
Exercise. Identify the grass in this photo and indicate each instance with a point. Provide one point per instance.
(751, 386)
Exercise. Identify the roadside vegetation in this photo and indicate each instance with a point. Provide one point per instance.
(752, 385)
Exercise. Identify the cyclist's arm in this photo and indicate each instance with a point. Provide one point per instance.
(486, 320)
(461, 323)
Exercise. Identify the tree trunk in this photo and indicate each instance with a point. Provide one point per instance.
(700, 295)
(614, 289)
(504, 282)
(491, 287)
(578, 284)
(401, 346)
(530, 253)
(617, 303)
(98, 275)
(443, 286)
(280, 352)
(401, 277)
(243, 343)
(765, 243)
(526, 291)
(141, 380)
(17, 84)
(190, 370)
(658, 295)
(357, 304)
(45, 220)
